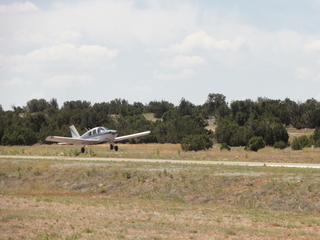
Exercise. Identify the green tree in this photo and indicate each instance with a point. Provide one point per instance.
(224, 130)
(216, 106)
(159, 108)
(256, 143)
(196, 142)
(37, 105)
(316, 134)
(241, 136)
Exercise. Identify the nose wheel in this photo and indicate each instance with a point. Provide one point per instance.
(113, 147)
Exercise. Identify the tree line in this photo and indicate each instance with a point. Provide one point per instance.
(236, 123)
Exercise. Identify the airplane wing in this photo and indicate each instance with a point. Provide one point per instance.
(131, 136)
(68, 140)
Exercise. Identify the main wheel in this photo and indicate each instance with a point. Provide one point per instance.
(82, 150)
(116, 148)
(111, 147)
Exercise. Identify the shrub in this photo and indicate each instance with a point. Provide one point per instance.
(224, 146)
(196, 142)
(295, 145)
(301, 142)
(280, 144)
(316, 134)
(255, 143)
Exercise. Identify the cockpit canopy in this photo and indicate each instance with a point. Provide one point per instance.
(95, 131)
(102, 129)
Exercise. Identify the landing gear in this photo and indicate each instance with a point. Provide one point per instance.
(83, 150)
(113, 147)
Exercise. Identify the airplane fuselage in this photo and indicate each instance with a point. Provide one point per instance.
(100, 134)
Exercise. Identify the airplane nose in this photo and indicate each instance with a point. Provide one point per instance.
(114, 132)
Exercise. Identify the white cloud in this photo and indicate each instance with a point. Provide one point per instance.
(201, 40)
(71, 53)
(141, 89)
(18, 7)
(94, 51)
(62, 52)
(15, 82)
(37, 95)
(313, 46)
(67, 81)
(26, 36)
(317, 78)
(187, 61)
(303, 72)
(186, 73)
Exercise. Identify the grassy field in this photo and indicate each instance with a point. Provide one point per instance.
(51, 199)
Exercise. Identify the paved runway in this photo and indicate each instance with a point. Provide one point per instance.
(258, 164)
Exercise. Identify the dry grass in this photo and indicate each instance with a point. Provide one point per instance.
(170, 151)
(42, 199)
(98, 218)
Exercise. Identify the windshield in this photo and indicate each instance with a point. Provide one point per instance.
(103, 129)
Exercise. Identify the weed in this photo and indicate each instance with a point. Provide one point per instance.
(126, 174)
(37, 173)
(3, 175)
(46, 236)
(92, 153)
(103, 190)
(141, 179)
(229, 231)
(73, 236)
(74, 152)
(88, 230)
(91, 172)
(10, 217)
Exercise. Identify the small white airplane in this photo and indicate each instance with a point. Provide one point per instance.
(93, 136)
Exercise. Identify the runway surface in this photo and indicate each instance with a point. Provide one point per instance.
(257, 164)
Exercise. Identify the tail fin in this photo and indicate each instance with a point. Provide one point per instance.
(74, 132)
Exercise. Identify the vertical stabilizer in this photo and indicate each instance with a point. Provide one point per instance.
(74, 132)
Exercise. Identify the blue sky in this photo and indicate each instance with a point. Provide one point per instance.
(143, 50)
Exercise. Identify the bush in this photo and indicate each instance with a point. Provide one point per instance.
(301, 142)
(196, 142)
(316, 134)
(280, 144)
(255, 143)
(295, 145)
(224, 146)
